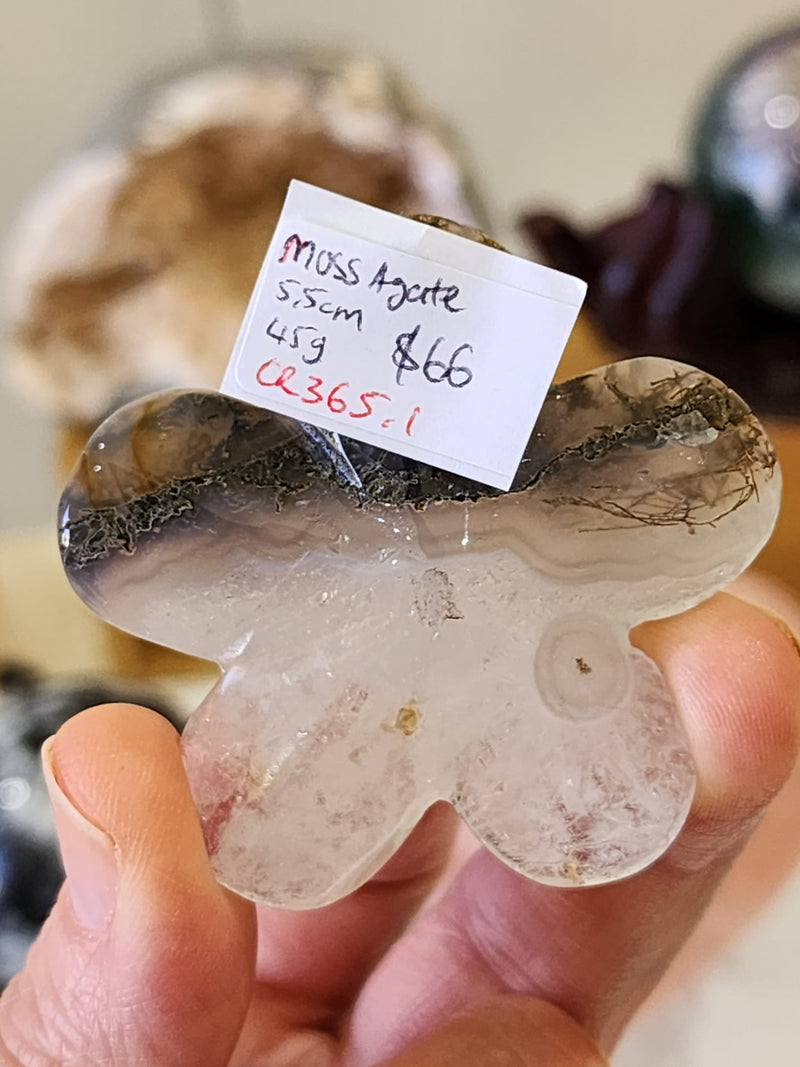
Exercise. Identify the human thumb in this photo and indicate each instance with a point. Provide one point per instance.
(145, 958)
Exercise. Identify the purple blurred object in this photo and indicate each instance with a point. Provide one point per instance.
(709, 272)
(661, 279)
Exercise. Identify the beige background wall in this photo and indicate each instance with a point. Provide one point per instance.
(574, 102)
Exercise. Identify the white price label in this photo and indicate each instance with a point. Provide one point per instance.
(402, 335)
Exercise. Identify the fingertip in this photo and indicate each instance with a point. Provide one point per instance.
(119, 766)
(735, 672)
(99, 732)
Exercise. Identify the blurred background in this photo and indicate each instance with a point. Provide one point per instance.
(558, 113)
(575, 104)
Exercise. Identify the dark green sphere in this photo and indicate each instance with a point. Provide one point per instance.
(746, 158)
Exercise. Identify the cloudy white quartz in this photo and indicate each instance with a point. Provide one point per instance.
(422, 638)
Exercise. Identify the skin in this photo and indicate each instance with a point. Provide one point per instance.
(145, 960)
(773, 850)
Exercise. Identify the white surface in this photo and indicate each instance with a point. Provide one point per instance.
(744, 1012)
(500, 322)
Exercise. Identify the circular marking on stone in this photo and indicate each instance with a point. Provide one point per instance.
(582, 667)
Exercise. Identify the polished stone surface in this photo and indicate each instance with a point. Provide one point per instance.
(390, 635)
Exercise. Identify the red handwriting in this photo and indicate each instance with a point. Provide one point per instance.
(272, 375)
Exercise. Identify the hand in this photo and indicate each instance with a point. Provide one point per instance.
(146, 960)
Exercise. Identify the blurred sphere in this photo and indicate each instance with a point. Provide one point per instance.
(746, 156)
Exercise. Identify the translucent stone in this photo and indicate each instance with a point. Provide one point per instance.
(390, 635)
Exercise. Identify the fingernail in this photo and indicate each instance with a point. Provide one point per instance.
(87, 852)
(784, 626)
(773, 613)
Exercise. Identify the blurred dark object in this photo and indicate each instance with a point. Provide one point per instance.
(30, 876)
(709, 272)
(31, 709)
(746, 159)
(663, 280)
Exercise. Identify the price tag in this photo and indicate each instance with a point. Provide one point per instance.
(404, 336)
